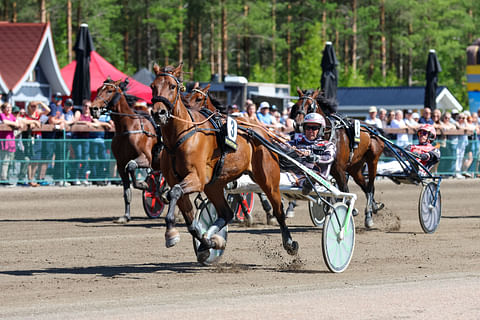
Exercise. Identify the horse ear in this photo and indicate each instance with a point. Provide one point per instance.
(300, 92)
(196, 85)
(178, 70)
(206, 88)
(315, 93)
(156, 69)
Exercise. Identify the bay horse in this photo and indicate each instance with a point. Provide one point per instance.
(134, 139)
(201, 98)
(368, 151)
(191, 155)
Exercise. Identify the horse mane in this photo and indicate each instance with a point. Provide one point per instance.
(216, 103)
(328, 106)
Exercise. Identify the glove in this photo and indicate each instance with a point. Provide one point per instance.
(424, 156)
(313, 158)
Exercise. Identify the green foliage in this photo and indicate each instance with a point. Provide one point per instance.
(413, 27)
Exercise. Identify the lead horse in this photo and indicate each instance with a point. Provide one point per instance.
(190, 163)
(368, 151)
(134, 139)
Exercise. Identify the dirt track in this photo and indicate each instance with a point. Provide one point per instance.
(62, 258)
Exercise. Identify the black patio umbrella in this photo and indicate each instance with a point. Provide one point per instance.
(329, 80)
(432, 70)
(81, 78)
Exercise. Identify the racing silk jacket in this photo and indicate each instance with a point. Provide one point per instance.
(427, 148)
(322, 153)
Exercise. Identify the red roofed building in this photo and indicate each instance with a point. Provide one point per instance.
(100, 70)
(28, 64)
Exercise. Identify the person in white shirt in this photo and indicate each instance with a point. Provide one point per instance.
(399, 123)
(372, 118)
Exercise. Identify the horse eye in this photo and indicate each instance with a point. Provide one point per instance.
(172, 86)
(199, 99)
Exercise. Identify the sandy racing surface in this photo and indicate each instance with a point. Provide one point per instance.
(61, 257)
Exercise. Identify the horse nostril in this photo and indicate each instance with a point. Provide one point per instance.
(162, 112)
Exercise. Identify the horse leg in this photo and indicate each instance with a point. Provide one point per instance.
(139, 162)
(127, 198)
(342, 184)
(266, 207)
(180, 190)
(264, 180)
(357, 174)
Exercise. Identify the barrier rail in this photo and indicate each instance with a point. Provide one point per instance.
(78, 161)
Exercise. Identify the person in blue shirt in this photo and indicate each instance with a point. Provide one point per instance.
(426, 117)
(264, 115)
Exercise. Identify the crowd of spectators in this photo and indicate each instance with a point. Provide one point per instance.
(36, 151)
(458, 150)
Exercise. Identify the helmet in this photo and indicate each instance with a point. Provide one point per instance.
(315, 118)
(432, 134)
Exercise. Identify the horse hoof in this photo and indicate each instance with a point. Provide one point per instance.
(270, 219)
(142, 185)
(219, 242)
(378, 206)
(248, 220)
(292, 249)
(122, 220)
(202, 256)
(172, 237)
(368, 221)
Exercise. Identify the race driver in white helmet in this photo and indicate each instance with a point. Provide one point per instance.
(427, 154)
(319, 153)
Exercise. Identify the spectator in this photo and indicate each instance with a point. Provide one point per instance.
(390, 117)
(264, 115)
(399, 123)
(69, 120)
(426, 117)
(82, 145)
(436, 116)
(98, 150)
(472, 147)
(35, 112)
(50, 147)
(462, 144)
(382, 115)
(372, 118)
(289, 123)
(7, 147)
(410, 123)
(251, 111)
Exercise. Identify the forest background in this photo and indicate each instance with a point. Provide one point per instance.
(377, 42)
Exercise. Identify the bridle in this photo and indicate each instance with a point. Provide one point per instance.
(108, 102)
(311, 108)
(170, 105)
(204, 104)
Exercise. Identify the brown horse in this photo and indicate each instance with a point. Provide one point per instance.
(201, 98)
(135, 136)
(368, 151)
(191, 154)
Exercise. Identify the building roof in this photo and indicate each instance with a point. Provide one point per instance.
(100, 70)
(22, 46)
(355, 101)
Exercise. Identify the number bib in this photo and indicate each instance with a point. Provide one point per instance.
(231, 134)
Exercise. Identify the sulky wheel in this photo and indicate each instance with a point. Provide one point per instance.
(338, 238)
(317, 213)
(205, 216)
(429, 208)
(152, 203)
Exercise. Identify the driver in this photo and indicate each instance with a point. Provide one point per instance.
(318, 153)
(428, 154)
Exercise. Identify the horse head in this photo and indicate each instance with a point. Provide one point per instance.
(306, 104)
(108, 96)
(166, 91)
(198, 98)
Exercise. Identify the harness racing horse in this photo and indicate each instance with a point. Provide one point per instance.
(192, 162)
(368, 151)
(201, 98)
(135, 136)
